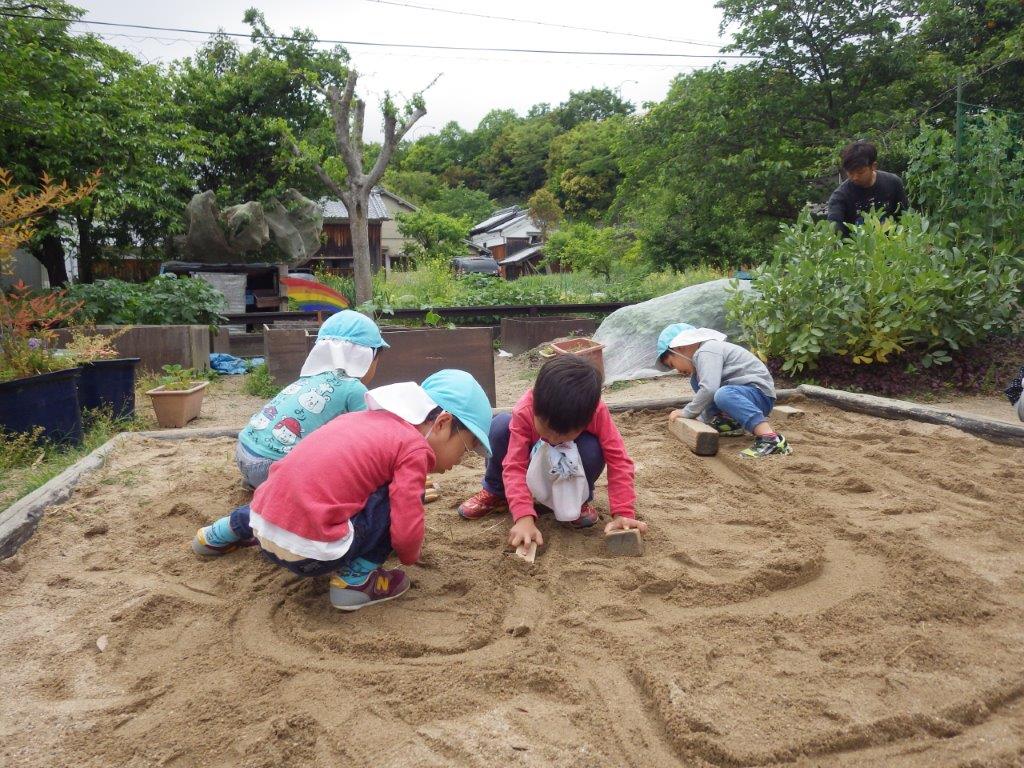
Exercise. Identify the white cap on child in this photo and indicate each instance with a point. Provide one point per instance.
(407, 400)
(696, 336)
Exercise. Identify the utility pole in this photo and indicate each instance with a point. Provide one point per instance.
(959, 117)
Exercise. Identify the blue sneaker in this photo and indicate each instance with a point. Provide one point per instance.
(202, 547)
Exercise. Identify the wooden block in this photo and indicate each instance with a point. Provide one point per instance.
(431, 495)
(527, 551)
(787, 412)
(625, 543)
(697, 436)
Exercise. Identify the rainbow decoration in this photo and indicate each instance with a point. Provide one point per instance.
(313, 296)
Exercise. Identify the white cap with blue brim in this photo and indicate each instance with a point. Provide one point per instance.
(457, 392)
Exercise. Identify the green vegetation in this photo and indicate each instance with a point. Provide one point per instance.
(164, 300)
(259, 383)
(945, 278)
(431, 287)
(25, 463)
(706, 175)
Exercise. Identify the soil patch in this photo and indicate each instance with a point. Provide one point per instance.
(860, 602)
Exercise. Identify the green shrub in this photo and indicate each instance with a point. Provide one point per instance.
(164, 300)
(435, 286)
(259, 383)
(890, 288)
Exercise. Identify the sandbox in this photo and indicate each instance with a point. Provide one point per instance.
(860, 602)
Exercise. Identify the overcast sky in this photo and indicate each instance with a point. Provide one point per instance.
(471, 83)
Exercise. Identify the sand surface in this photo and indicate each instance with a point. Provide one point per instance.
(860, 602)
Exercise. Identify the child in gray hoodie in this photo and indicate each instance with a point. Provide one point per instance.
(734, 391)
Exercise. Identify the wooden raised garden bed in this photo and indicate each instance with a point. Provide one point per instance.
(157, 345)
(415, 353)
(520, 334)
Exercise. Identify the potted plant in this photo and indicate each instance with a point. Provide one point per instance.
(38, 389)
(106, 381)
(179, 397)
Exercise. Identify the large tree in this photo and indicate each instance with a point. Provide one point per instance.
(74, 104)
(235, 100)
(349, 181)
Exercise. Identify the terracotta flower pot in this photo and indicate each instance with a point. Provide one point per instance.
(590, 350)
(177, 407)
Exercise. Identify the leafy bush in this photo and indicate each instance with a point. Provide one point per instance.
(890, 288)
(259, 382)
(582, 246)
(164, 300)
(433, 237)
(982, 193)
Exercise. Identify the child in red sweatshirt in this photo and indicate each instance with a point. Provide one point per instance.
(350, 493)
(554, 445)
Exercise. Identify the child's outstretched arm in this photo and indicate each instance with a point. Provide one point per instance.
(405, 493)
(621, 471)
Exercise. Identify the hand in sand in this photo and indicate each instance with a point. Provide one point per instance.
(525, 531)
(620, 523)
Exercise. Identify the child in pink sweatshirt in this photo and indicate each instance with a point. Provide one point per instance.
(564, 410)
(350, 493)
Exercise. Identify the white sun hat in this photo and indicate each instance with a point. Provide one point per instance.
(696, 336)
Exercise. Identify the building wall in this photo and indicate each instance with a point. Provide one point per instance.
(391, 239)
(27, 269)
(336, 252)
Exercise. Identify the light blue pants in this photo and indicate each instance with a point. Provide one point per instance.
(254, 468)
(743, 403)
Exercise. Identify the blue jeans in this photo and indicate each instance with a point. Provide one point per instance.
(591, 456)
(254, 468)
(743, 403)
(371, 529)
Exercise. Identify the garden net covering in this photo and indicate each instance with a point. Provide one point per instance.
(630, 334)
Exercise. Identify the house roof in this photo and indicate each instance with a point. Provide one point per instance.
(401, 201)
(497, 218)
(524, 217)
(523, 255)
(336, 212)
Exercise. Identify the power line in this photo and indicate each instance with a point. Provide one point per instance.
(542, 23)
(375, 44)
(168, 41)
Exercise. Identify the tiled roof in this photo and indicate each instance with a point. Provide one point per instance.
(335, 210)
(498, 217)
(522, 255)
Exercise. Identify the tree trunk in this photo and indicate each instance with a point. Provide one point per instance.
(50, 252)
(86, 249)
(358, 204)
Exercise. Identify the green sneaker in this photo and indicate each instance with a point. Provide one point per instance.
(768, 446)
(726, 427)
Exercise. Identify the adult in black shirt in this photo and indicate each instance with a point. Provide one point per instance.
(865, 188)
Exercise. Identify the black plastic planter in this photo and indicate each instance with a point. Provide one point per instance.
(49, 400)
(109, 384)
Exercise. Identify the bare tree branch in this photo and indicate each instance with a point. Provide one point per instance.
(395, 132)
(341, 103)
(357, 126)
(325, 177)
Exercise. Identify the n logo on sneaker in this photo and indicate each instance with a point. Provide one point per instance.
(383, 583)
